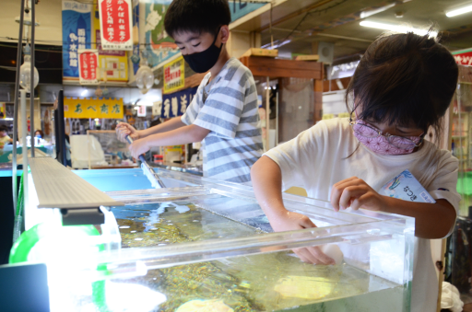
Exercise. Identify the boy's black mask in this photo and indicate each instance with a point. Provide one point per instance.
(203, 61)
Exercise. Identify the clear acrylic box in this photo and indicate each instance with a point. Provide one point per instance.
(206, 245)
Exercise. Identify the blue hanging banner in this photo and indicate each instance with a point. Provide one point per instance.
(241, 8)
(76, 35)
(175, 104)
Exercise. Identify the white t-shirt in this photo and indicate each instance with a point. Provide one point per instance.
(317, 159)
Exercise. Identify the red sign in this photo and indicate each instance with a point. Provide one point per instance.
(88, 63)
(463, 58)
(116, 24)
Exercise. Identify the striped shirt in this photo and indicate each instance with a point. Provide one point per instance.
(227, 106)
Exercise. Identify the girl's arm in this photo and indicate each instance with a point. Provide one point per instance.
(431, 220)
(267, 181)
(123, 129)
(182, 135)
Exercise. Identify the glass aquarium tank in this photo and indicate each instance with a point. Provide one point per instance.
(206, 245)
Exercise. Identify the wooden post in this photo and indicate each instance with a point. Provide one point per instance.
(318, 88)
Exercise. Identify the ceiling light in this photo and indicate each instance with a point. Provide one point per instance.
(397, 28)
(84, 93)
(368, 13)
(460, 11)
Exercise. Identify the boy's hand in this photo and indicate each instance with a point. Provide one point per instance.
(292, 221)
(139, 147)
(123, 129)
(356, 193)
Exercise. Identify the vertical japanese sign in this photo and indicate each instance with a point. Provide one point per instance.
(116, 24)
(463, 57)
(174, 75)
(113, 64)
(88, 62)
(76, 35)
(175, 104)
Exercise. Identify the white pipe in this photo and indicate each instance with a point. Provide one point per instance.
(24, 142)
(267, 114)
(277, 119)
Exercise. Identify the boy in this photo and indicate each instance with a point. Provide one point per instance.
(223, 114)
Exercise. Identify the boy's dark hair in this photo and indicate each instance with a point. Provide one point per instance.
(404, 79)
(196, 16)
(3, 128)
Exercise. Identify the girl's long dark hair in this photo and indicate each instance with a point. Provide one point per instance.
(404, 79)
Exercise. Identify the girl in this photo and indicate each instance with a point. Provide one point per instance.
(403, 86)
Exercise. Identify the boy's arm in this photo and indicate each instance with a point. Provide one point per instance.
(182, 135)
(123, 129)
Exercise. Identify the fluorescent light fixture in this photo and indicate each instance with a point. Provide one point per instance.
(365, 14)
(460, 11)
(397, 28)
(84, 93)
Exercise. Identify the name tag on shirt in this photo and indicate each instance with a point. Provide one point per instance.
(406, 187)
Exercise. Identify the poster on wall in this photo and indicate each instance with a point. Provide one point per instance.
(159, 46)
(175, 104)
(88, 62)
(116, 24)
(112, 64)
(76, 35)
(174, 75)
(93, 108)
(463, 57)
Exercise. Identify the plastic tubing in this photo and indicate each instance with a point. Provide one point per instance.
(15, 114)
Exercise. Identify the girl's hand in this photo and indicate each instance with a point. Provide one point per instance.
(355, 193)
(123, 129)
(291, 221)
(139, 147)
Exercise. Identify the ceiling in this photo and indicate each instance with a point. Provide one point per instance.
(302, 22)
(48, 14)
(337, 21)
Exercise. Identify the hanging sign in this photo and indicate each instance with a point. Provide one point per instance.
(142, 111)
(463, 57)
(174, 75)
(3, 110)
(112, 64)
(175, 104)
(88, 63)
(116, 24)
(93, 108)
(76, 35)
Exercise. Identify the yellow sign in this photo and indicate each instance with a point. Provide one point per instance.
(113, 64)
(328, 116)
(93, 108)
(3, 110)
(174, 75)
(344, 115)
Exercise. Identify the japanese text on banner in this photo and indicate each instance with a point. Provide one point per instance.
(93, 108)
(174, 75)
(116, 24)
(175, 104)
